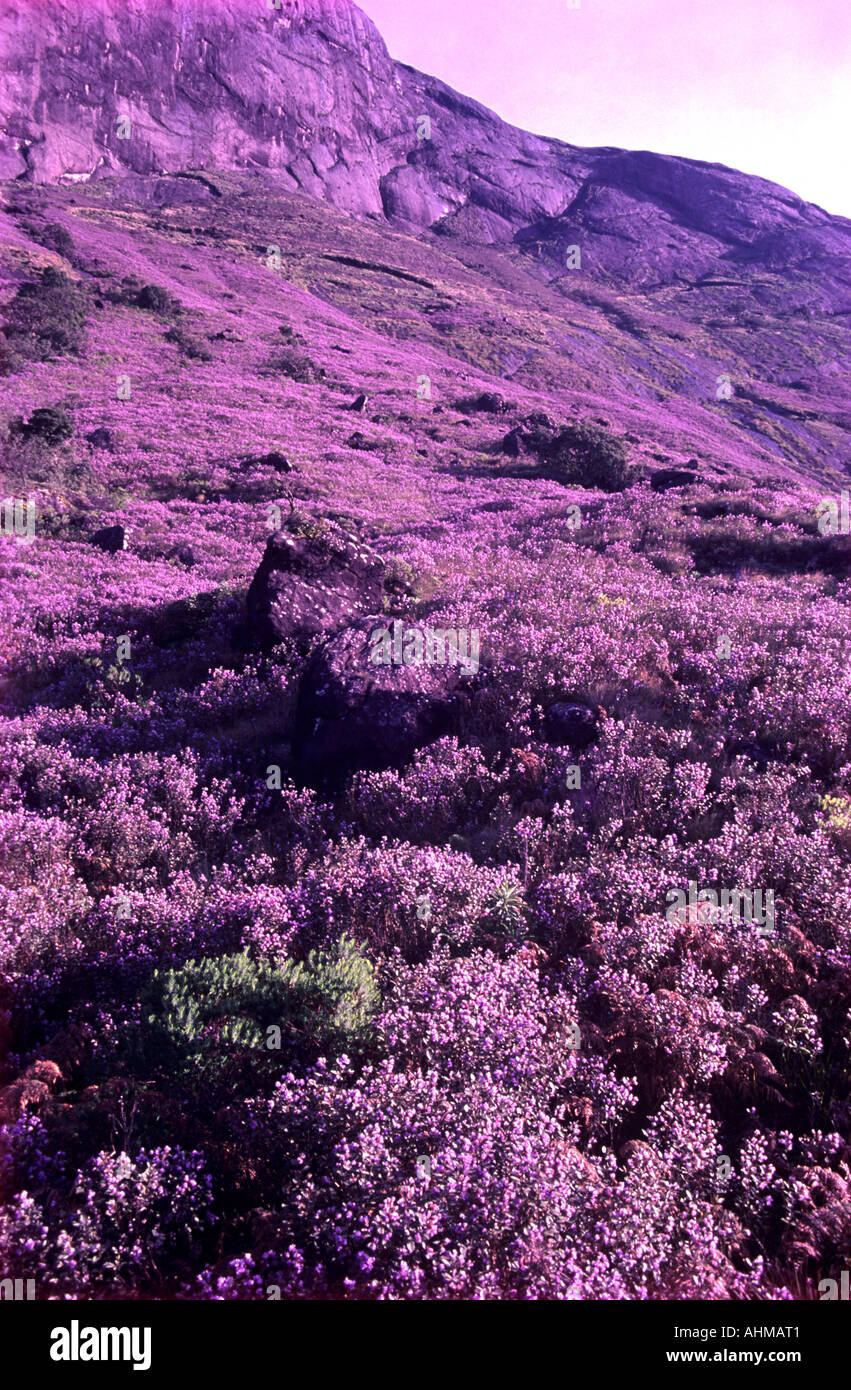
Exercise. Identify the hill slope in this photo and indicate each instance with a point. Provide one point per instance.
(277, 375)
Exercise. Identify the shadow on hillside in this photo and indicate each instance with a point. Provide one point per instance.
(718, 551)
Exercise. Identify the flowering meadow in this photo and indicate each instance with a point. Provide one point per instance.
(409, 1020)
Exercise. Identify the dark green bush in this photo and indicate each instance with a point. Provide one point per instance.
(215, 1019)
(300, 523)
(588, 455)
(399, 577)
(189, 345)
(54, 236)
(506, 911)
(297, 366)
(289, 335)
(36, 450)
(719, 548)
(158, 301)
(50, 424)
(10, 361)
(46, 318)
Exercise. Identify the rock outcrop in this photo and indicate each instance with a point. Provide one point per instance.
(112, 539)
(311, 585)
(356, 712)
(570, 723)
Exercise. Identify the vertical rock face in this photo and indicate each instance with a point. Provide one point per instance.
(307, 586)
(200, 82)
(309, 93)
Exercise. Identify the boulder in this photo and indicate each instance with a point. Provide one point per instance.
(111, 539)
(357, 711)
(539, 420)
(273, 459)
(312, 585)
(664, 478)
(514, 443)
(488, 402)
(100, 438)
(358, 440)
(570, 722)
(532, 437)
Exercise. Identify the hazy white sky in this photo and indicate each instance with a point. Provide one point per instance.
(760, 85)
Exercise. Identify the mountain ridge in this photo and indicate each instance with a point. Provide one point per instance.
(36, 139)
(306, 100)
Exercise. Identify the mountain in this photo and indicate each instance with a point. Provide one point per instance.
(692, 271)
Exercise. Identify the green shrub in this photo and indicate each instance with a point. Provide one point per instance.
(506, 911)
(158, 301)
(46, 318)
(189, 345)
(54, 236)
(297, 366)
(36, 451)
(721, 547)
(399, 577)
(289, 335)
(10, 361)
(51, 424)
(185, 618)
(299, 523)
(231, 1016)
(588, 455)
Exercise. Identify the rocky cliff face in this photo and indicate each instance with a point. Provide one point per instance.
(307, 89)
(309, 92)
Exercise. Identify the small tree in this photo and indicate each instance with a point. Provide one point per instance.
(37, 450)
(589, 455)
(507, 910)
(46, 318)
(54, 236)
(49, 423)
(158, 301)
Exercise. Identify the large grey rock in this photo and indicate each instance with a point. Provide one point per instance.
(311, 585)
(357, 711)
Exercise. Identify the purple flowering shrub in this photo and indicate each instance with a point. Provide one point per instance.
(133, 1217)
(386, 896)
(485, 1086)
(560, 1088)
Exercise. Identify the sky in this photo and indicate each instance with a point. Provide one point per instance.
(760, 85)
